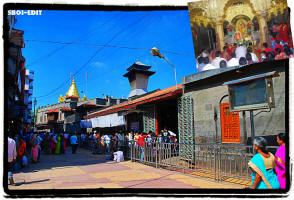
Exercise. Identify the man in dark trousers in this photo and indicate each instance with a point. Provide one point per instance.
(74, 143)
(11, 157)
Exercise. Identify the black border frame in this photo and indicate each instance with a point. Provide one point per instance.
(126, 192)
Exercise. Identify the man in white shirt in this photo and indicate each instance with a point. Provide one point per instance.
(118, 155)
(208, 66)
(253, 55)
(240, 51)
(215, 62)
(11, 158)
(233, 61)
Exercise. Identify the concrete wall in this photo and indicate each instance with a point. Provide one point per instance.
(208, 90)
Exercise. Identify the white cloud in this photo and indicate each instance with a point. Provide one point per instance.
(98, 64)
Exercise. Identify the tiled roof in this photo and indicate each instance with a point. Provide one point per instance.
(66, 109)
(88, 104)
(52, 111)
(159, 95)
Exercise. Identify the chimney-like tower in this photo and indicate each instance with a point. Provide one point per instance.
(138, 76)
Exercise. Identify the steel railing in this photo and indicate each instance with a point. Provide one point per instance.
(216, 161)
(220, 162)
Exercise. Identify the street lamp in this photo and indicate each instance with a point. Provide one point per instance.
(155, 52)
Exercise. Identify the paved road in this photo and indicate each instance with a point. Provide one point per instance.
(85, 170)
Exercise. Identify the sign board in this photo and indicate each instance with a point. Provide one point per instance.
(251, 93)
(230, 124)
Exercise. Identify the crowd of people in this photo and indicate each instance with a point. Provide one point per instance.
(268, 170)
(25, 148)
(280, 47)
(107, 143)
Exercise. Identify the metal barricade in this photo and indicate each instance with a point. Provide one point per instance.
(218, 162)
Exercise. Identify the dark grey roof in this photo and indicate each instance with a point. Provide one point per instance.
(139, 66)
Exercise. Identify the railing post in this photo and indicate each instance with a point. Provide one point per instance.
(215, 162)
(220, 164)
(156, 155)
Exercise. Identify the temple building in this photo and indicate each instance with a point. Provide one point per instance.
(65, 116)
(215, 23)
(144, 111)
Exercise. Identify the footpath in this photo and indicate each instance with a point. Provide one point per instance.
(85, 170)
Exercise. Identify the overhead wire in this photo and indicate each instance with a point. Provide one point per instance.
(77, 39)
(110, 46)
(93, 56)
(60, 48)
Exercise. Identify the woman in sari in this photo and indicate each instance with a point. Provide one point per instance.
(47, 143)
(262, 165)
(35, 148)
(53, 144)
(57, 149)
(280, 161)
(61, 143)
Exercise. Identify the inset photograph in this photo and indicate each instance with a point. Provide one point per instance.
(240, 32)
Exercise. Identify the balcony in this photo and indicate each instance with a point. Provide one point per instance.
(27, 72)
(14, 52)
(31, 75)
(11, 67)
(30, 92)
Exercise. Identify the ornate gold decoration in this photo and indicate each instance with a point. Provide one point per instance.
(84, 98)
(60, 99)
(73, 91)
(279, 6)
(236, 10)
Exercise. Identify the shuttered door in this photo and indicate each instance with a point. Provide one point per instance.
(186, 126)
(149, 119)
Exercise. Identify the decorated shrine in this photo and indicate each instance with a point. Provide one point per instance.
(215, 23)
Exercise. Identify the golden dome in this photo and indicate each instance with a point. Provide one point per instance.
(73, 91)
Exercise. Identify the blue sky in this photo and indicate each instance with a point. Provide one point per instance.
(169, 31)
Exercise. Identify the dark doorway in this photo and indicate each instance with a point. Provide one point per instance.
(135, 121)
(168, 115)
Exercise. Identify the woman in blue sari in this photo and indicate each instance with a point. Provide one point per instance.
(263, 167)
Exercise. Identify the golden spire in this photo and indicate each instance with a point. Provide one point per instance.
(73, 91)
(60, 99)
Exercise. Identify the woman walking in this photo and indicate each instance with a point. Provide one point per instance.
(262, 165)
(47, 143)
(62, 143)
(57, 149)
(35, 148)
(53, 144)
(280, 161)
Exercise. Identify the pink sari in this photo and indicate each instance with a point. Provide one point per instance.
(35, 153)
(280, 167)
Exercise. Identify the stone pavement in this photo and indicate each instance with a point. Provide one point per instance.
(85, 170)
